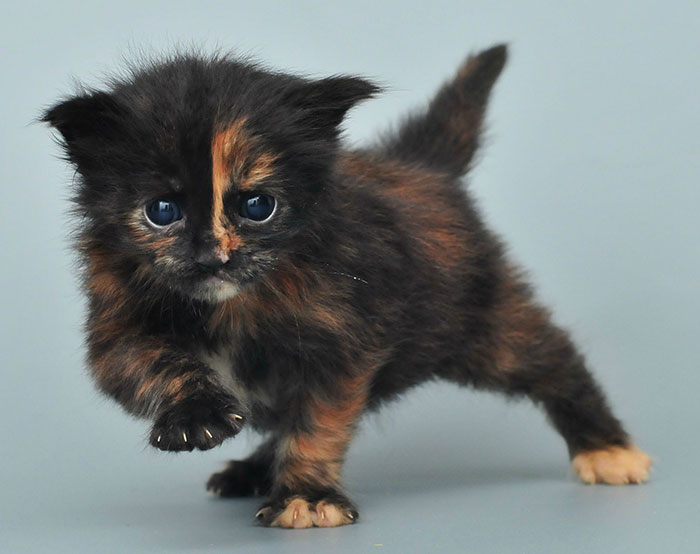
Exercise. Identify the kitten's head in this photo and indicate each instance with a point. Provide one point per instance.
(202, 174)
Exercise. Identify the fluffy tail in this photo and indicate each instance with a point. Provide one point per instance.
(446, 135)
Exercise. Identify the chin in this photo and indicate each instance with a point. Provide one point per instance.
(216, 292)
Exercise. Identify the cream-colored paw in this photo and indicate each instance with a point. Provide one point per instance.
(331, 515)
(614, 465)
(297, 513)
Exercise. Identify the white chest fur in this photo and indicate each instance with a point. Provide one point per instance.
(222, 364)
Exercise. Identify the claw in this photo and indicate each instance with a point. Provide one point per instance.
(184, 436)
(158, 439)
(236, 417)
(206, 431)
(260, 513)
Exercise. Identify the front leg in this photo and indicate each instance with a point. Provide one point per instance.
(147, 369)
(152, 378)
(306, 488)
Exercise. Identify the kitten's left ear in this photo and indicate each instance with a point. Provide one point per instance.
(322, 104)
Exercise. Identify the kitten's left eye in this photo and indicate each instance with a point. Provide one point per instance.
(163, 212)
(258, 207)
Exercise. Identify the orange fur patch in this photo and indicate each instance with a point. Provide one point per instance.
(416, 194)
(104, 285)
(316, 456)
(614, 465)
(227, 149)
(262, 167)
(235, 158)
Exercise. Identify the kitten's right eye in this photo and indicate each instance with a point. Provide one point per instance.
(162, 212)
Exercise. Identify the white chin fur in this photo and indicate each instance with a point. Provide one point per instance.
(218, 292)
(225, 291)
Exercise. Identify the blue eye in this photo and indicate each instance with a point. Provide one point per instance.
(163, 212)
(258, 207)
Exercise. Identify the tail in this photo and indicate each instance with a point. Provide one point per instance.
(447, 134)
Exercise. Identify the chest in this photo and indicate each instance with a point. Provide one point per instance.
(258, 394)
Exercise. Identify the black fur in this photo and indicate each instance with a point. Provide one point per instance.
(375, 273)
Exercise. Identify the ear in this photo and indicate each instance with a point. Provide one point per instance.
(322, 105)
(88, 116)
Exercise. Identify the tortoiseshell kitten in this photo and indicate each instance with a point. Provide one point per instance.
(242, 267)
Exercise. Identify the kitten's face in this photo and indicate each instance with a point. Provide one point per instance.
(216, 217)
(212, 233)
(204, 175)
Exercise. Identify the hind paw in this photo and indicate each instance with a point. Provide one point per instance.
(241, 478)
(614, 465)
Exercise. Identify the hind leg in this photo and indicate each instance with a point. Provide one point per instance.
(525, 354)
(249, 477)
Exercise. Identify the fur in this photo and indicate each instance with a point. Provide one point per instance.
(374, 274)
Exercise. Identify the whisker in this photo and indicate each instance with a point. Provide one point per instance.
(355, 277)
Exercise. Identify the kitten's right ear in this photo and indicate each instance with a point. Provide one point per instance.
(87, 116)
(321, 105)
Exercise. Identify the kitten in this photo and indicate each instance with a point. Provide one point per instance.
(243, 268)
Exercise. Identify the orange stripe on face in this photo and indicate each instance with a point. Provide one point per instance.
(234, 158)
(229, 149)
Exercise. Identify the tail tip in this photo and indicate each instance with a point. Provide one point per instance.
(487, 62)
(496, 52)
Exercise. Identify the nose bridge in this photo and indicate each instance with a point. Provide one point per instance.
(216, 239)
(224, 236)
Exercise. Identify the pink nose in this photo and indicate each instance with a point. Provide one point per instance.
(223, 256)
(212, 259)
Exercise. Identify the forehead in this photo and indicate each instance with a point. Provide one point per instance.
(239, 157)
(197, 123)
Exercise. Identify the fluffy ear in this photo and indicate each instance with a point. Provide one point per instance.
(88, 116)
(322, 105)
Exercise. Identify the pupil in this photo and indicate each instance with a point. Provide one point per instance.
(163, 212)
(259, 207)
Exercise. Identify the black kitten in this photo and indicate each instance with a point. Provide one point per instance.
(242, 267)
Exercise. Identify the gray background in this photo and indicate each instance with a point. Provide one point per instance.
(591, 174)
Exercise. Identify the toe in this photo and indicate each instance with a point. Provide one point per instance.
(296, 515)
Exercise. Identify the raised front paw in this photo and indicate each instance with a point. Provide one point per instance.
(298, 512)
(203, 421)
